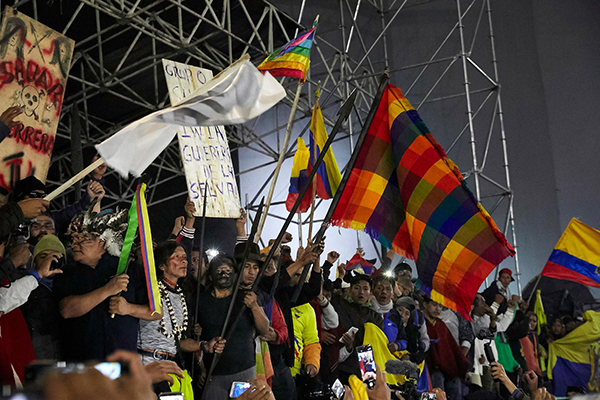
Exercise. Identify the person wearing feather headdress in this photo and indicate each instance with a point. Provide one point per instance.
(89, 282)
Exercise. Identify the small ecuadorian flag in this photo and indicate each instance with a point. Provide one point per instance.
(576, 256)
(328, 174)
(139, 221)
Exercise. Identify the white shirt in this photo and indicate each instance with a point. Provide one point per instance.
(17, 294)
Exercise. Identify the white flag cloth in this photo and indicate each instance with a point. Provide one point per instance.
(237, 95)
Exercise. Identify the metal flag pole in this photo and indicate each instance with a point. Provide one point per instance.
(383, 80)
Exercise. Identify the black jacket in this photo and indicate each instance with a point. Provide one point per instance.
(354, 315)
(11, 217)
(283, 295)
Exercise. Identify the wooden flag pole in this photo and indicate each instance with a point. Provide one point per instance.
(286, 140)
(314, 158)
(82, 174)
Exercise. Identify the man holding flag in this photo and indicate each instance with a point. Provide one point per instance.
(85, 288)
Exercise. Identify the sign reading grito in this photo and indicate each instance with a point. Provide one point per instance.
(34, 66)
(204, 150)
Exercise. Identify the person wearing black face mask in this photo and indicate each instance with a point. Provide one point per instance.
(238, 360)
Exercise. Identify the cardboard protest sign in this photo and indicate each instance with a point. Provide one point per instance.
(34, 66)
(204, 150)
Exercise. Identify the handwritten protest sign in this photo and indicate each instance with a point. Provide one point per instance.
(34, 66)
(204, 150)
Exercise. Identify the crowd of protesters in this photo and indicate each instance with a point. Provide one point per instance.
(61, 300)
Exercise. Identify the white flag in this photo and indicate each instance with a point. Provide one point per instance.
(237, 95)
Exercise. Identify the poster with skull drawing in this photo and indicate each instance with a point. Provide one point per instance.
(34, 66)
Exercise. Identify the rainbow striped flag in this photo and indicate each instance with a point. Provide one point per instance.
(405, 192)
(328, 174)
(293, 59)
(576, 256)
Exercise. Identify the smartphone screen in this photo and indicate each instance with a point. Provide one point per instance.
(171, 396)
(237, 388)
(368, 368)
(111, 370)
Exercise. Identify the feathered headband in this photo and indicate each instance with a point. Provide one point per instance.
(110, 227)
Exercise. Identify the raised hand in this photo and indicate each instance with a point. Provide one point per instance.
(9, 115)
(33, 207)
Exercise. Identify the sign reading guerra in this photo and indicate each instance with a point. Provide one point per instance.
(34, 66)
(204, 150)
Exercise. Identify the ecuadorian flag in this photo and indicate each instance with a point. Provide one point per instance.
(576, 256)
(328, 174)
(572, 359)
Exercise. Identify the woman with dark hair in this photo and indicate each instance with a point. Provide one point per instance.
(161, 339)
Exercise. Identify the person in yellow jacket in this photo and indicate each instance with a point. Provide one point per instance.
(306, 340)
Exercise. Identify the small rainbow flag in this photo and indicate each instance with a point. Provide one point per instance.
(405, 192)
(576, 256)
(328, 174)
(293, 59)
(138, 220)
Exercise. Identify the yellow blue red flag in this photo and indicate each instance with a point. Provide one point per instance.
(576, 256)
(328, 174)
(571, 358)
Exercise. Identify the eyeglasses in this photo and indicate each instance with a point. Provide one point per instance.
(37, 195)
(47, 226)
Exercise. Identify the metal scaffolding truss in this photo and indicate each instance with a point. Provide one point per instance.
(452, 79)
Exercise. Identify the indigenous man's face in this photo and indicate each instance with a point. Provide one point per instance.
(223, 277)
(505, 280)
(360, 292)
(250, 273)
(433, 309)
(383, 292)
(87, 248)
(176, 265)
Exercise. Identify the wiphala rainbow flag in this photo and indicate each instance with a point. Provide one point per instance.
(292, 59)
(405, 192)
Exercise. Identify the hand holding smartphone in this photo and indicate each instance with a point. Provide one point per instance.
(237, 388)
(368, 368)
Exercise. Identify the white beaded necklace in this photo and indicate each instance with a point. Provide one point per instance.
(177, 331)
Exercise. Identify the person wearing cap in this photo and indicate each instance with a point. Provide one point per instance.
(41, 309)
(501, 287)
(15, 342)
(17, 294)
(354, 311)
